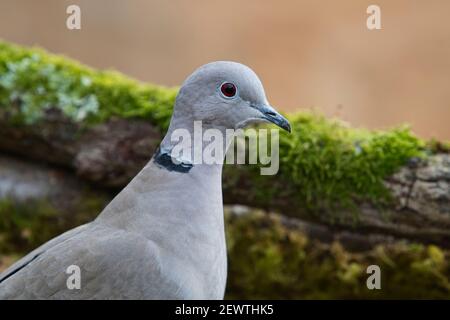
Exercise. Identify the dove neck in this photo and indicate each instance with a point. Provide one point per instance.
(196, 142)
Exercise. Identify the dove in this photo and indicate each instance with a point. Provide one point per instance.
(162, 236)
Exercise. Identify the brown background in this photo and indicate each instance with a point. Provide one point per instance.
(309, 54)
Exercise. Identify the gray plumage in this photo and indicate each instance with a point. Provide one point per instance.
(162, 237)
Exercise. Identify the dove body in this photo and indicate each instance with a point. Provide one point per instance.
(162, 236)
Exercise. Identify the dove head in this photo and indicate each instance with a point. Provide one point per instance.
(224, 95)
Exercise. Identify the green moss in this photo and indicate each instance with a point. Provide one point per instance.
(325, 165)
(36, 81)
(269, 261)
(330, 164)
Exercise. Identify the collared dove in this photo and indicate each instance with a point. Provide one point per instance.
(162, 236)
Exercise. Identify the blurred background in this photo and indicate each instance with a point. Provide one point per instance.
(309, 54)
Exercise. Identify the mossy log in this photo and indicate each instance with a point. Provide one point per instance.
(70, 199)
(102, 127)
(421, 212)
(108, 155)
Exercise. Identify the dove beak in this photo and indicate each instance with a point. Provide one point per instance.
(271, 115)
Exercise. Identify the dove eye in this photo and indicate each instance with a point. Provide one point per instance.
(228, 89)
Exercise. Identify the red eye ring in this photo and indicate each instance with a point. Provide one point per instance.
(228, 89)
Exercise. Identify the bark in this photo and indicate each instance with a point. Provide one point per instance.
(27, 182)
(108, 155)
